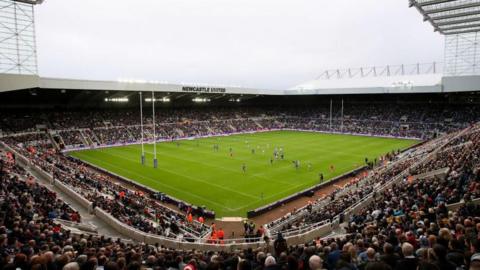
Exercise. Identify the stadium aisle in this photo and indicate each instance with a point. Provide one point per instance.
(102, 227)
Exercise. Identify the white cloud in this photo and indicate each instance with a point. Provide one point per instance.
(257, 43)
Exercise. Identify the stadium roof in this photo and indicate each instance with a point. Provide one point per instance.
(413, 78)
(422, 83)
(11, 82)
(32, 2)
(450, 16)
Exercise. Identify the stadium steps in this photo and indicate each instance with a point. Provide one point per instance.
(210, 130)
(179, 132)
(99, 138)
(60, 138)
(94, 137)
(87, 219)
(258, 124)
(84, 138)
(54, 143)
(339, 230)
(147, 134)
(130, 135)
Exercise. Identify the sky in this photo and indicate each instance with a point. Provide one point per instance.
(268, 44)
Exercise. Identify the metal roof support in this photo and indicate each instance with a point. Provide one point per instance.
(429, 3)
(18, 51)
(455, 15)
(460, 27)
(451, 8)
(462, 54)
(462, 31)
(438, 13)
(467, 20)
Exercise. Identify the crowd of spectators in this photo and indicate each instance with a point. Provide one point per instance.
(425, 236)
(113, 135)
(120, 126)
(71, 137)
(22, 196)
(29, 141)
(461, 183)
(168, 131)
(328, 207)
(405, 226)
(130, 206)
(361, 120)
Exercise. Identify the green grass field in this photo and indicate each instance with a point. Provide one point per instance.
(194, 172)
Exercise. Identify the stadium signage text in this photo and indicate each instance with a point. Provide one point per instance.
(203, 89)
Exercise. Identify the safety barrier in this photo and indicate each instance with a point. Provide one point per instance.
(436, 173)
(305, 192)
(455, 206)
(74, 195)
(81, 226)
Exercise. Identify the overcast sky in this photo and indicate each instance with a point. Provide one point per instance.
(272, 44)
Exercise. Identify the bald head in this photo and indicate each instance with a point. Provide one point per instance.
(407, 249)
(371, 253)
(315, 262)
(71, 266)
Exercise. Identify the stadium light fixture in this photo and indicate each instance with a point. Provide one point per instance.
(234, 100)
(130, 80)
(200, 100)
(120, 100)
(163, 99)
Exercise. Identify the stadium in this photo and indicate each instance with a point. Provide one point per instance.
(375, 167)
